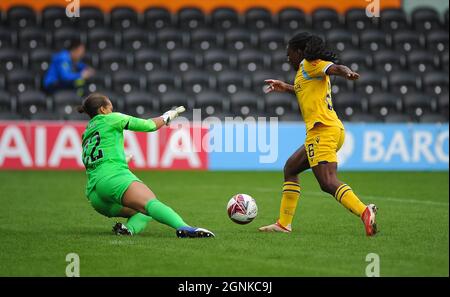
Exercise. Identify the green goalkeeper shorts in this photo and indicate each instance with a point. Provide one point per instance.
(106, 196)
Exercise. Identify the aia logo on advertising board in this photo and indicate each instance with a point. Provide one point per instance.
(46, 145)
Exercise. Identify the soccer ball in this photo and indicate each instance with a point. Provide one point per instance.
(242, 209)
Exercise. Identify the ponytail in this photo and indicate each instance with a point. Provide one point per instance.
(312, 46)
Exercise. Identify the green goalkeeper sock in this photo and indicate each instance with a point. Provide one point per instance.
(164, 214)
(137, 223)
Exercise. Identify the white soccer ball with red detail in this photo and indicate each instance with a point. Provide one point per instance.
(242, 209)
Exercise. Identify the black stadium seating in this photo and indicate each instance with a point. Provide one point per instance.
(152, 60)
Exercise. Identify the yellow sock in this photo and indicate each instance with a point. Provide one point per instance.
(346, 197)
(289, 200)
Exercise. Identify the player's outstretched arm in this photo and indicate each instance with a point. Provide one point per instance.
(142, 125)
(273, 85)
(342, 70)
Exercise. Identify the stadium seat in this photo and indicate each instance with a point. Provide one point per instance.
(218, 60)
(382, 104)
(433, 118)
(5, 102)
(406, 41)
(246, 104)
(340, 40)
(10, 59)
(150, 60)
(184, 60)
(425, 19)
(20, 17)
(364, 118)
(54, 17)
(64, 36)
(196, 81)
(258, 18)
(160, 82)
(170, 39)
(445, 61)
(258, 78)
(204, 39)
(238, 39)
(443, 104)
(356, 20)
(393, 20)
(123, 18)
(280, 62)
(211, 102)
(6, 38)
(157, 18)
(135, 39)
(65, 102)
(224, 18)
(172, 99)
(291, 117)
(190, 18)
(416, 104)
(291, 19)
(437, 41)
(346, 104)
(117, 100)
(127, 81)
(100, 81)
(9, 116)
(32, 38)
(114, 60)
(91, 17)
(340, 84)
(91, 59)
(279, 104)
(44, 115)
(436, 82)
(101, 38)
(20, 80)
(403, 82)
(252, 60)
(271, 40)
(230, 82)
(356, 60)
(323, 19)
(140, 103)
(76, 116)
(372, 40)
(31, 102)
(446, 22)
(398, 118)
(421, 61)
(388, 61)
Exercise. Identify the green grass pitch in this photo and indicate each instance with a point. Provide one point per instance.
(44, 216)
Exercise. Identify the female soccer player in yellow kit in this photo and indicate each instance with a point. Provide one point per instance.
(324, 131)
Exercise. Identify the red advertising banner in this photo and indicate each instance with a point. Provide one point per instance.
(57, 145)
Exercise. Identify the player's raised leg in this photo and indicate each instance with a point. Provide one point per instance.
(139, 197)
(326, 175)
(296, 164)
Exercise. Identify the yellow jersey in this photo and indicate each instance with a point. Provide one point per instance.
(313, 90)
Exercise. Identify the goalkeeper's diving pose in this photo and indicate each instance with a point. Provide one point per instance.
(112, 189)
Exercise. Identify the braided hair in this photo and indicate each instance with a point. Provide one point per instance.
(312, 46)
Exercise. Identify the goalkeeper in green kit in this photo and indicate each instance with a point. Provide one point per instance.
(112, 189)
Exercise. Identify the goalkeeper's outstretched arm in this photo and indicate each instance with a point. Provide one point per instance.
(150, 125)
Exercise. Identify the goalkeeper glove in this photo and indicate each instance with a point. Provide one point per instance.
(170, 115)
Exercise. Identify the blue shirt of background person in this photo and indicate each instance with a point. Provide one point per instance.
(66, 71)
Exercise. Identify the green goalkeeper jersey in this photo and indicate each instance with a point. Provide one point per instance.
(103, 150)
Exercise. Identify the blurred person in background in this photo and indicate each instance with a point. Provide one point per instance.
(67, 72)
